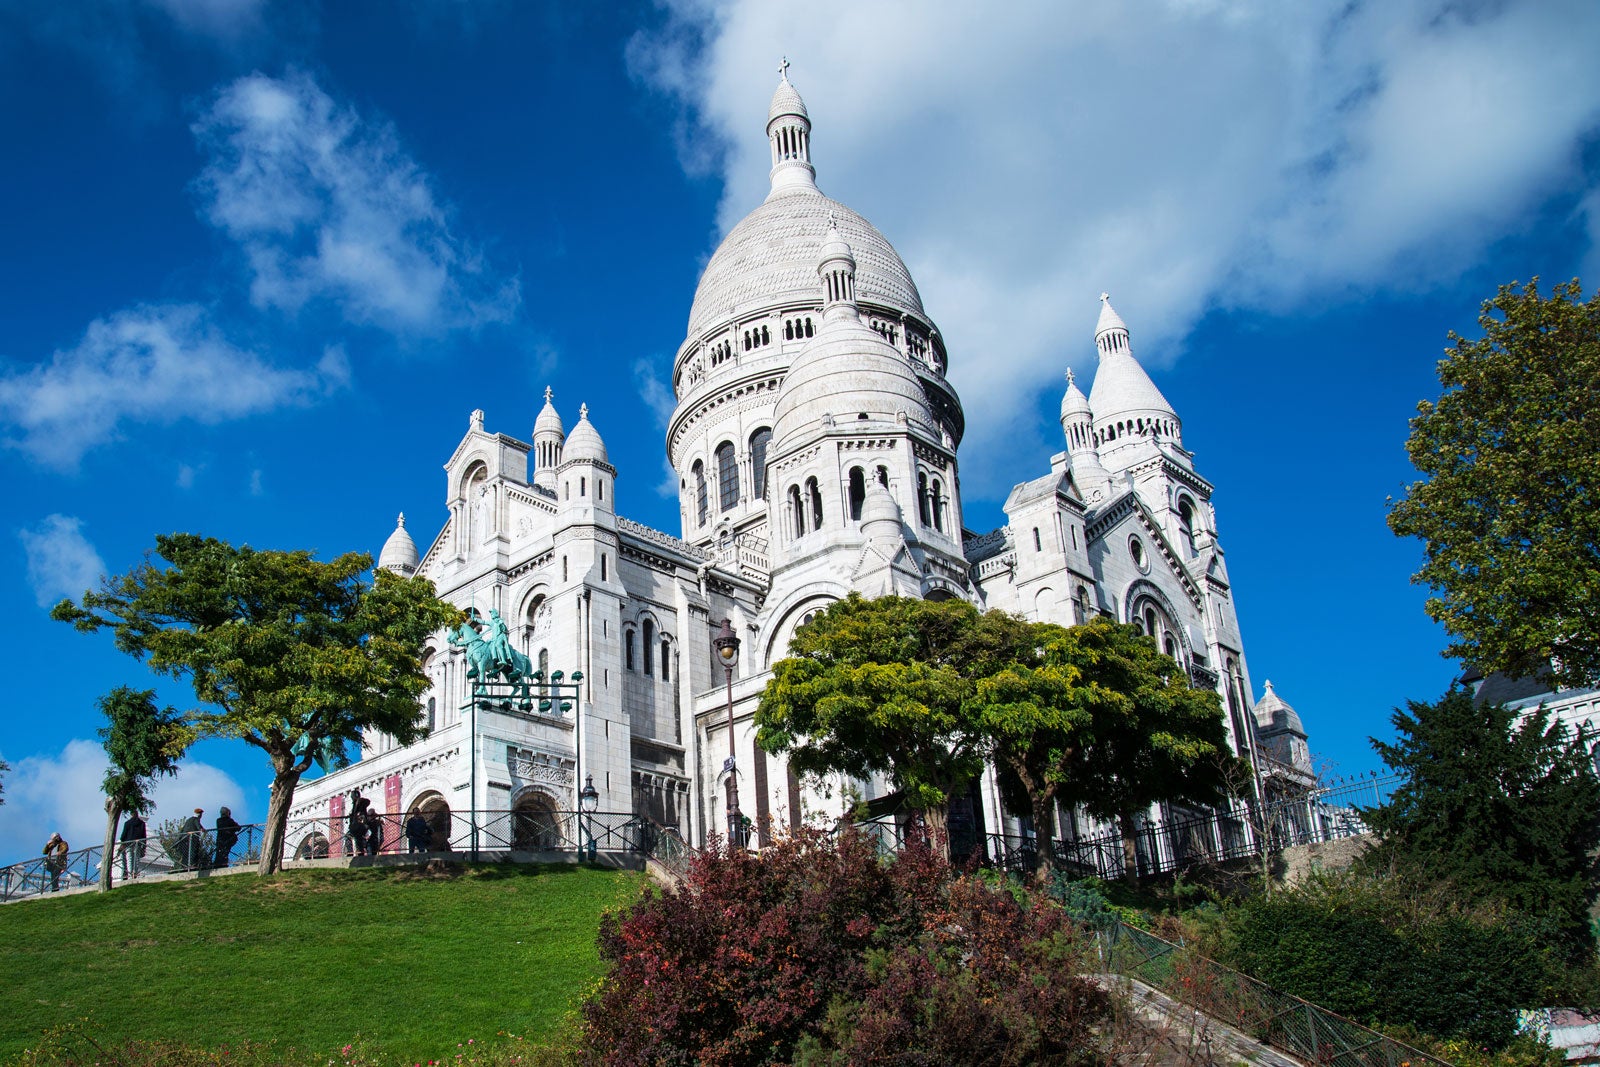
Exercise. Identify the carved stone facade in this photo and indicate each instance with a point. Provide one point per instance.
(815, 442)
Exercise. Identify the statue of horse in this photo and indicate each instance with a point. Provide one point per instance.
(488, 659)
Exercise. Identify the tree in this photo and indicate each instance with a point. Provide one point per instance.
(1509, 505)
(879, 686)
(294, 656)
(1101, 719)
(143, 742)
(1501, 808)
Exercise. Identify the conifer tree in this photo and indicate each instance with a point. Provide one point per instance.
(1501, 803)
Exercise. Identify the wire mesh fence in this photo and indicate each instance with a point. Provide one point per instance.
(1275, 1018)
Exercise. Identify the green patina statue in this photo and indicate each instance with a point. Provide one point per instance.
(492, 656)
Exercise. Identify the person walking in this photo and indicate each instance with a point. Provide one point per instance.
(191, 842)
(374, 831)
(55, 860)
(227, 834)
(133, 838)
(418, 833)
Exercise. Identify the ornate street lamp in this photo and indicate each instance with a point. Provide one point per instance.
(727, 645)
(588, 803)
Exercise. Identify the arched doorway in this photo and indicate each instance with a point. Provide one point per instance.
(535, 825)
(313, 846)
(436, 810)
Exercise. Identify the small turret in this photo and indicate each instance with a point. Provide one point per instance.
(1128, 408)
(789, 133)
(399, 552)
(837, 270)
(548, 436)
(586, 474)
(1077, 424)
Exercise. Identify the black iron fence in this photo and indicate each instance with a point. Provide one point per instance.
(1178, 841)
(439, 833)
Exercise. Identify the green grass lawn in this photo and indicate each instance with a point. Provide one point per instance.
(414, 961)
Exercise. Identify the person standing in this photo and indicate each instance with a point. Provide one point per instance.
(133, 838)
(191, 841)
(55, 860)
(227, 834)
(418, 832)
(374, 831)
(356, 831)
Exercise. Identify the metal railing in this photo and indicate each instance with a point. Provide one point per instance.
(1272, 1017)
(454, 834)
(1238, 831)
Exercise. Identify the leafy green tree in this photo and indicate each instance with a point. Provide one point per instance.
(1509, 505)
(1501, 808)
(143, 743)
(1101, 719)
(880, 686)
(294, 656)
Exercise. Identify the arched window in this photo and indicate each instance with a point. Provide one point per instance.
(922, 499)
(1186, 522)
(649, 647)
(727, 476)
(858, 492)
(700, 492)
(1037, 547)
(883, 477)
(1080, 604)
(666, 660)
(798, 509)
(816, 503)
(758, 462)
(627, 649)
(936, 505)
(1169, 646)
(433, 712)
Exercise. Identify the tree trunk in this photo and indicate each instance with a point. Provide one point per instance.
(1130, 848)
(109, 853)
(937, 820)
(285, 777)
(1044, 831)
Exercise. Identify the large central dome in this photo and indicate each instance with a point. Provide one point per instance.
(771, 258)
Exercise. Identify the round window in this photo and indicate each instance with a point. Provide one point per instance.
(1136, 550)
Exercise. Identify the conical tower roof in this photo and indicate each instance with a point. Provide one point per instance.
(399, 551)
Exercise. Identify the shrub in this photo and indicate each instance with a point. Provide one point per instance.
(1384, 951)
(817, 948)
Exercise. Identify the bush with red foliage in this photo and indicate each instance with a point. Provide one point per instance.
(819, 951)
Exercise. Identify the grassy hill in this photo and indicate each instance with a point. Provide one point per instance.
(414, 961)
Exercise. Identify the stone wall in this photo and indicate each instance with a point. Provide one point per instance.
(1295, 863)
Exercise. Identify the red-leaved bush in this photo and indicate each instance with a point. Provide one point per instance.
(817, 951)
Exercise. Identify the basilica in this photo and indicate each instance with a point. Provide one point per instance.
(815, 443)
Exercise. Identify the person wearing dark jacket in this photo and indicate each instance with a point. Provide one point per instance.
(133, 838)
(191, 842)
(418, 833)
(374, 832)
(55, 859)
(227, 834)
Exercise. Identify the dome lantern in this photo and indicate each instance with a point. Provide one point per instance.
(399, 551)
(789, 134)
(548, 436)
(837, 270)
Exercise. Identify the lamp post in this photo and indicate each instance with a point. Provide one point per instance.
(727, 645)
(588, 802)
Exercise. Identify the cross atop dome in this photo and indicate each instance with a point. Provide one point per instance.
(1105, 298)
(783, 69)
(583, 411)
(548, 394)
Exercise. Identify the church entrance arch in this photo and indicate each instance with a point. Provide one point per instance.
(313, 846)
(535, 823)
(435, 811)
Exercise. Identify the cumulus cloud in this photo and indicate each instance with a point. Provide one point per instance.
(61, 793)
(160, 363)
(1183, 155)
(326, 205)
(61, 561)
(656, 394)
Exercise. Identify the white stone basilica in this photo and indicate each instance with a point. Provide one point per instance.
(815, 439)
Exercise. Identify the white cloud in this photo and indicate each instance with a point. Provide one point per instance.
(62, 793)
(61, 561)
(656, 394)
(159, 364)
(225, 21)
(326, 205)
(1183, 155)
(186, 475)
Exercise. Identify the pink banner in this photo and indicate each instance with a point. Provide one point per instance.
(336, 826)
(391, 805)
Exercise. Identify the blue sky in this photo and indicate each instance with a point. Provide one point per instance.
(262, 260)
